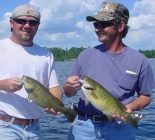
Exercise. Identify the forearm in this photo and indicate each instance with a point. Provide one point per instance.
(1, 85)
(10, 85)
(68, 91)
(56, 91)
(141, 102)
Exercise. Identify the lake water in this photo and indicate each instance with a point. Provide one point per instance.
(57, 127)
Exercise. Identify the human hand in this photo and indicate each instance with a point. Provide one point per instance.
(11, 84)
(72, 85)
(52, 111)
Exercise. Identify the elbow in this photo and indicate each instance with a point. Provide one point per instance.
(146, 101)
(149, 100)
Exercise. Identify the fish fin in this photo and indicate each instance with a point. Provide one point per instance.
(137, 117)
(110, 118)
(132, 119)
(87, 101)
(29, 98)
(70, 114)
(34, 96)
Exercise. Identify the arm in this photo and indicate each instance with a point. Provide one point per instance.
(10, 85)
(141, 102)
(71, 86)
(56, 91)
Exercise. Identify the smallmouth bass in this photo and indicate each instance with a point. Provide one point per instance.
(102, 100)
(41, 96)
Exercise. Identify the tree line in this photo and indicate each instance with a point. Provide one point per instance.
(67, 54)
(148, 53)
(72, 53)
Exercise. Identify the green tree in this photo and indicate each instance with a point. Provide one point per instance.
(62, 55)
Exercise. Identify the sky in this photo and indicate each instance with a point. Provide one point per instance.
(64, 25)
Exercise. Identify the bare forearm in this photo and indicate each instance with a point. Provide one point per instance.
(141, 102)
(56, 91)
(10, 85)
(68, 91)
(138, 104)
(1, 85)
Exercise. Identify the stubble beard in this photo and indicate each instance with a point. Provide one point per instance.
(26, 38)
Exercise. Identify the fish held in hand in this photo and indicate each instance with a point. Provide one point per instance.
(39, 94)
(102, 100)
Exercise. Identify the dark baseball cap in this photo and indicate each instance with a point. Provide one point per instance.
(26, 10)
(110, 11)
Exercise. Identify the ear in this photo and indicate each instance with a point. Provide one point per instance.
(121, 26)
(11, 23)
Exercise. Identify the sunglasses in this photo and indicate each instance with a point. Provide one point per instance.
(24, 21)
(104, 24)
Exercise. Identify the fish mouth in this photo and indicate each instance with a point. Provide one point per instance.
(81, 81)
(22, 80)
(84, 84)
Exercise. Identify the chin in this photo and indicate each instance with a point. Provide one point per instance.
(26, 38)
(101, 40)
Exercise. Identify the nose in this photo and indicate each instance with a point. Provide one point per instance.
(27, 24)
(96, 29)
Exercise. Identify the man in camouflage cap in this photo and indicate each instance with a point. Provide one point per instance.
(119, 69)
(112, 12)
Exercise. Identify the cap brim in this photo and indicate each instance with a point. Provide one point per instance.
(99, 17)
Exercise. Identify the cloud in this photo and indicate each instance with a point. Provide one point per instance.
(142, 25)
(63, 23)
(142, 21)
(144, 6)
(57, 15)
(5, 27)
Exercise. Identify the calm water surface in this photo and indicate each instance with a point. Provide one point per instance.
(57, 127)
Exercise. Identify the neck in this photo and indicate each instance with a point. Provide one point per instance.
(115, 46)
(20, 42)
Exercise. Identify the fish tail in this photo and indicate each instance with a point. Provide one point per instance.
(134, 118)
(137, 117)
(132, 121)
(70, 114)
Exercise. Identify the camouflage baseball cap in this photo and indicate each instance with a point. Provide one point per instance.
(110, 11)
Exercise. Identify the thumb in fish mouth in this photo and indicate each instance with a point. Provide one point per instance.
(17, 80)
(21, 80)
(81, 80)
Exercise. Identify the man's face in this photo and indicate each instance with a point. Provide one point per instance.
(106, 33)
(24, 28)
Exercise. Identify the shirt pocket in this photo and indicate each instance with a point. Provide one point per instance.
(128, 81)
